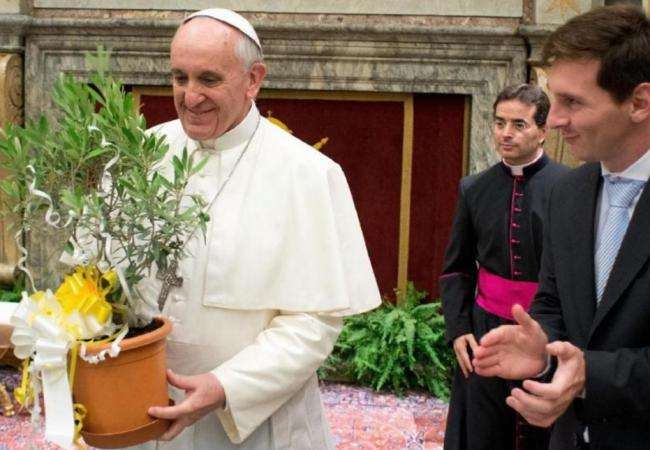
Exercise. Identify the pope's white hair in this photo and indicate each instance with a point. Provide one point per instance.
(247, 51)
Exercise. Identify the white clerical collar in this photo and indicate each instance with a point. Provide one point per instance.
(237, 136)
(639, 170)
(518, 170)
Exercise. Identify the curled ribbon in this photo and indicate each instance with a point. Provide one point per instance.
(111, 351)
(52, 217)
(22, 260)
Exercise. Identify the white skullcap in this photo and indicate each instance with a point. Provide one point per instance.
(231, 18)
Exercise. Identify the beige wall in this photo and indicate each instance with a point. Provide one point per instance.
(12, 6)
(502, 8)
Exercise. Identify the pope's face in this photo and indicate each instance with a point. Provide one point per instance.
(517, 136)
(213, 91)
(593, 124)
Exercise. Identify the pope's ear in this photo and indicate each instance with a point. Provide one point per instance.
(640, 103)
(256, 75)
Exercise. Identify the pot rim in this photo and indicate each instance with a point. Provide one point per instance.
(137, 341)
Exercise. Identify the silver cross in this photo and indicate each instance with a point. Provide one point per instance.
(170, 280)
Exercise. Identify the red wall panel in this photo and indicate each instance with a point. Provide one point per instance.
(437, 168)
(157, 108)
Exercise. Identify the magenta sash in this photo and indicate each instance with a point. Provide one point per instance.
(497, 295)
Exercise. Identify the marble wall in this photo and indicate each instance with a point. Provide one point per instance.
(503, 8)
(333, 54)
(472, 48)
(558, 11)
(12, 6)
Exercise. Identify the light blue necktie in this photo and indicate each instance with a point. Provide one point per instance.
(621, 193)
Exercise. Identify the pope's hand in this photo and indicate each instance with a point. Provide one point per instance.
(203, 394)
(513, 352)
(542, 403)
(461, 343)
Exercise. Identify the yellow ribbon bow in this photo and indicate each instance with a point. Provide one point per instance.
(85, 291)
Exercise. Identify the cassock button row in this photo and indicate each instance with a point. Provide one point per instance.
(517, 210)
(517, 257)
(515, 241)
(515, 225)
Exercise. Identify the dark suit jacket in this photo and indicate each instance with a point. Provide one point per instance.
(616, 336)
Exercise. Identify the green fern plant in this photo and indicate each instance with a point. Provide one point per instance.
(395, 347)
(10, 294)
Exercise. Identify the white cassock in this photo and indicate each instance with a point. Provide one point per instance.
(263, 296)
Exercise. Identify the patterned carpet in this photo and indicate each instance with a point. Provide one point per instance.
(360, 420)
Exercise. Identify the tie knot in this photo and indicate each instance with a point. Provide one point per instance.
(621, 191)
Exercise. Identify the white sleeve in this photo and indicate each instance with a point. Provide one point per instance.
(264, 375)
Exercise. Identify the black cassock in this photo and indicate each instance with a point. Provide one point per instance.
(491, 262)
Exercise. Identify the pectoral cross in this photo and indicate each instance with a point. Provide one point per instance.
(170, 280)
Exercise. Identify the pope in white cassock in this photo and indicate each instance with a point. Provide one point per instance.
(262, 298)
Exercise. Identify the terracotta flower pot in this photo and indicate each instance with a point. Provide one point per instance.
(117, 392)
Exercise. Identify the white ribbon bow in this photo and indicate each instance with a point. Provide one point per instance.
(38, 335)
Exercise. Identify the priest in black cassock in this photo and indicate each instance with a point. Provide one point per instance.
(492, 262)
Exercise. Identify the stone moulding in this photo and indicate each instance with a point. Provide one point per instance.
(504, 8)
(476, 61)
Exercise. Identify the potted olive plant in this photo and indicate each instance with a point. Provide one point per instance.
(90, 184)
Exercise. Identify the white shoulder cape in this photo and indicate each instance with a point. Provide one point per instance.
(284, 234)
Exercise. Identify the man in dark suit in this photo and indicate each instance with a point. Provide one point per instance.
(589, 324)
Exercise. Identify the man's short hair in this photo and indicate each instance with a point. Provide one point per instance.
(528, 94)
(618, 36)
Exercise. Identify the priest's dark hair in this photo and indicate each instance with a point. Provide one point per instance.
(528, 94)
(618, 36)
